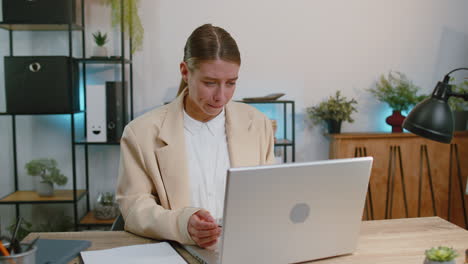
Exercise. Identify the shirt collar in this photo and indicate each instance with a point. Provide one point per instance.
(216, 125)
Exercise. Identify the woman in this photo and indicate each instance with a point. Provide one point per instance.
(174, 159)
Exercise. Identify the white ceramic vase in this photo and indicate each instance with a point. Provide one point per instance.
(45, 189)
(100, 51)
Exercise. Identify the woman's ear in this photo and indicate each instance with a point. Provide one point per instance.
(184, 71)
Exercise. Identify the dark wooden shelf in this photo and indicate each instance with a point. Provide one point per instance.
(84, 142)
(266, 101)
(31, 197)
(90, 220)
(103, 61)
(39, 27)
(283, 142)
(77, 112)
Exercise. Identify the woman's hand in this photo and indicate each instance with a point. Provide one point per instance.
(203, 229)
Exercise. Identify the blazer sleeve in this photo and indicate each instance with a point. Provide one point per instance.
(269, 142)
(136, 196)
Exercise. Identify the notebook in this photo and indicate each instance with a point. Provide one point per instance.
(55, 251)
(152, 253)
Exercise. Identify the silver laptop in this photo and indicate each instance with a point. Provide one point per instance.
(291, 212)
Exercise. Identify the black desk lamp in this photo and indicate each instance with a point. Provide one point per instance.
(432, 118)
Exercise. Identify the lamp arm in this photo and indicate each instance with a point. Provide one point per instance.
(460, 95)
(447, 76)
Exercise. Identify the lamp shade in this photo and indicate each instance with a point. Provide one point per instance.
(432, 119)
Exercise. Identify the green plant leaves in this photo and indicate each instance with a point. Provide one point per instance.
(441, 254)
(100, 39)
(397, 91)
(47, 169)
(132, 23)
(458, 104)
(336, 108)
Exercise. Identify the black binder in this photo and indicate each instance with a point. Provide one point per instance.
(115, 110)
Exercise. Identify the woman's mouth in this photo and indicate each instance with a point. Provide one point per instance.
(214, 106)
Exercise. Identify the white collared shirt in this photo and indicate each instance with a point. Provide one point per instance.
(208, 162)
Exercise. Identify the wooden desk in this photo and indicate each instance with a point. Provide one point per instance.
(393, 241)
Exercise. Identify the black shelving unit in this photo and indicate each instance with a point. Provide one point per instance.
(18, 197)
(289, 140)
(88, 219)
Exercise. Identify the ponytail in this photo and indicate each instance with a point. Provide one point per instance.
(182, 86)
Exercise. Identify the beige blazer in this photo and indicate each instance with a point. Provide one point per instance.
(153, 189)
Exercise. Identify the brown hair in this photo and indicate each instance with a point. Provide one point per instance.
(209, 43)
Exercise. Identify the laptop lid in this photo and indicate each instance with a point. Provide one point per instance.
(293, 212)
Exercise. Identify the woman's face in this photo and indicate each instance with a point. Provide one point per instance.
(210, 87)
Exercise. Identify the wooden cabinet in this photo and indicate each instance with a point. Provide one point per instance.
(411, 176)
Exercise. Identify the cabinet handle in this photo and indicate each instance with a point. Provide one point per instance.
(35, 67)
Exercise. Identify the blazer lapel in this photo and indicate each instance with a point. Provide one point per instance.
(243, 150)
(172, 158)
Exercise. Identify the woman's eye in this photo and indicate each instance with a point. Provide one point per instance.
(231, 83)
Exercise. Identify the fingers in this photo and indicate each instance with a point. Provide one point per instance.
(206, 241)
(205, 215)
(204, 233)
(203, 229)
(205, 238)
(200, 224)
(208, 244)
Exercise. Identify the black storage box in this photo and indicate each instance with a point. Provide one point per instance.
(41, 84)
(39, 11)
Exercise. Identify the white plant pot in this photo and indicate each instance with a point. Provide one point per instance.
(45, 189)
(100, 51)
(426, 261)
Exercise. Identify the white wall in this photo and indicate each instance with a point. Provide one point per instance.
(307, 49)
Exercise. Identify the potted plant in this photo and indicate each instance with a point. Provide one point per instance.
(440, 255)
(106, 208)
(399, 93)
(333, 112)
(459, 107)
(49, 174)
(100, 40)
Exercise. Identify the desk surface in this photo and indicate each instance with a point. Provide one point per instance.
(383, 241)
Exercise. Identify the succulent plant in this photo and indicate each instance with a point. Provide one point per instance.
(441, 254)
(100, 39)
(106, 198)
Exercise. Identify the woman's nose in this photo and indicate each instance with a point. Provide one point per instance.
(219, 94)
